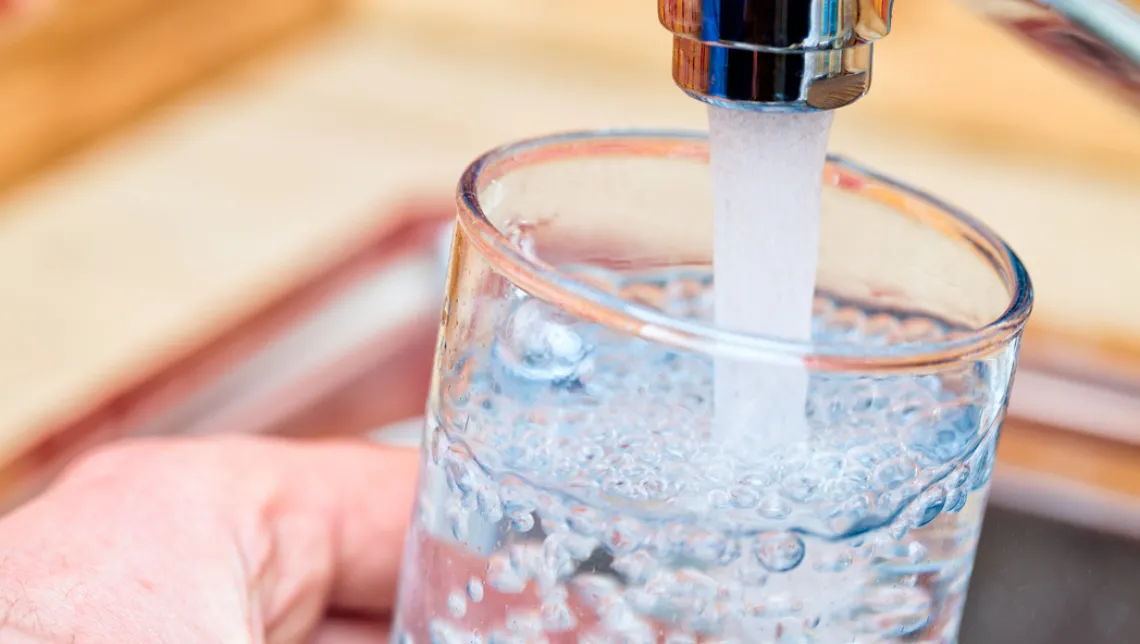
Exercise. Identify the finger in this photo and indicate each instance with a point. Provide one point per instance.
(350, 631)
(299, 526)
(361, 494)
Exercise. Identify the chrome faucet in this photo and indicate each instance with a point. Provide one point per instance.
(795, 55)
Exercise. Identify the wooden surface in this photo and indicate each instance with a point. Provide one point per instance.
(73, 69)
(1106, 465)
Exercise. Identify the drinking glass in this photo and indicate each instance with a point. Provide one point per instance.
(577, 484)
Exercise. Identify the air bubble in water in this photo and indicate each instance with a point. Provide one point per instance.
(458, 518)
(801, 487)
(517, 497)
(462, 478)
(865, 456)
(475, 590)
(707, 617)
(895, 472)
(522, 522)
(621, 621)
(624, 536)
(584, 521)
(719, 499)
(898, 530)
(853, 512)
(916, 552)
(955, 500)
(927, 507)
(557, 616)
(704, 546)
(457, 605)
(958, 477)
(743, 497)
(596, 590)
(827, 464)
(730, 553)
(579, 546)
(561, 552)
(489, 504)
(539, 342)
(502, 575)
(527, 558)
(774, 508)
(779, 551)
(983, 465)
(682, 590)
(636, 567)
(834, 561)
(844, 486)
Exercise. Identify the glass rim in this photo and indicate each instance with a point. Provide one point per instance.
(590, 302)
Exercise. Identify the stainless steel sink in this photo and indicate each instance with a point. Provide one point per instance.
(1039, 581)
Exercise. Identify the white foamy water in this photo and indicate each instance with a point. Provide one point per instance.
(767, 171)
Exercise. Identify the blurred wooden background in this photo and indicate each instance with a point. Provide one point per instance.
(71, 70)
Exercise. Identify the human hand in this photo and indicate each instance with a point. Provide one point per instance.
(210, 541)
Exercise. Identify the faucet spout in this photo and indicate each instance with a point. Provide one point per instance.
(785, 55)
(798, 55)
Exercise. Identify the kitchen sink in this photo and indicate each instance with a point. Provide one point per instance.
(1041, 581)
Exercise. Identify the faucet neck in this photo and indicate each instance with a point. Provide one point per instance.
(1100, 38)
(783, 55)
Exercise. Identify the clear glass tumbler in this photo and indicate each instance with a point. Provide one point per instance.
(576, 485)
